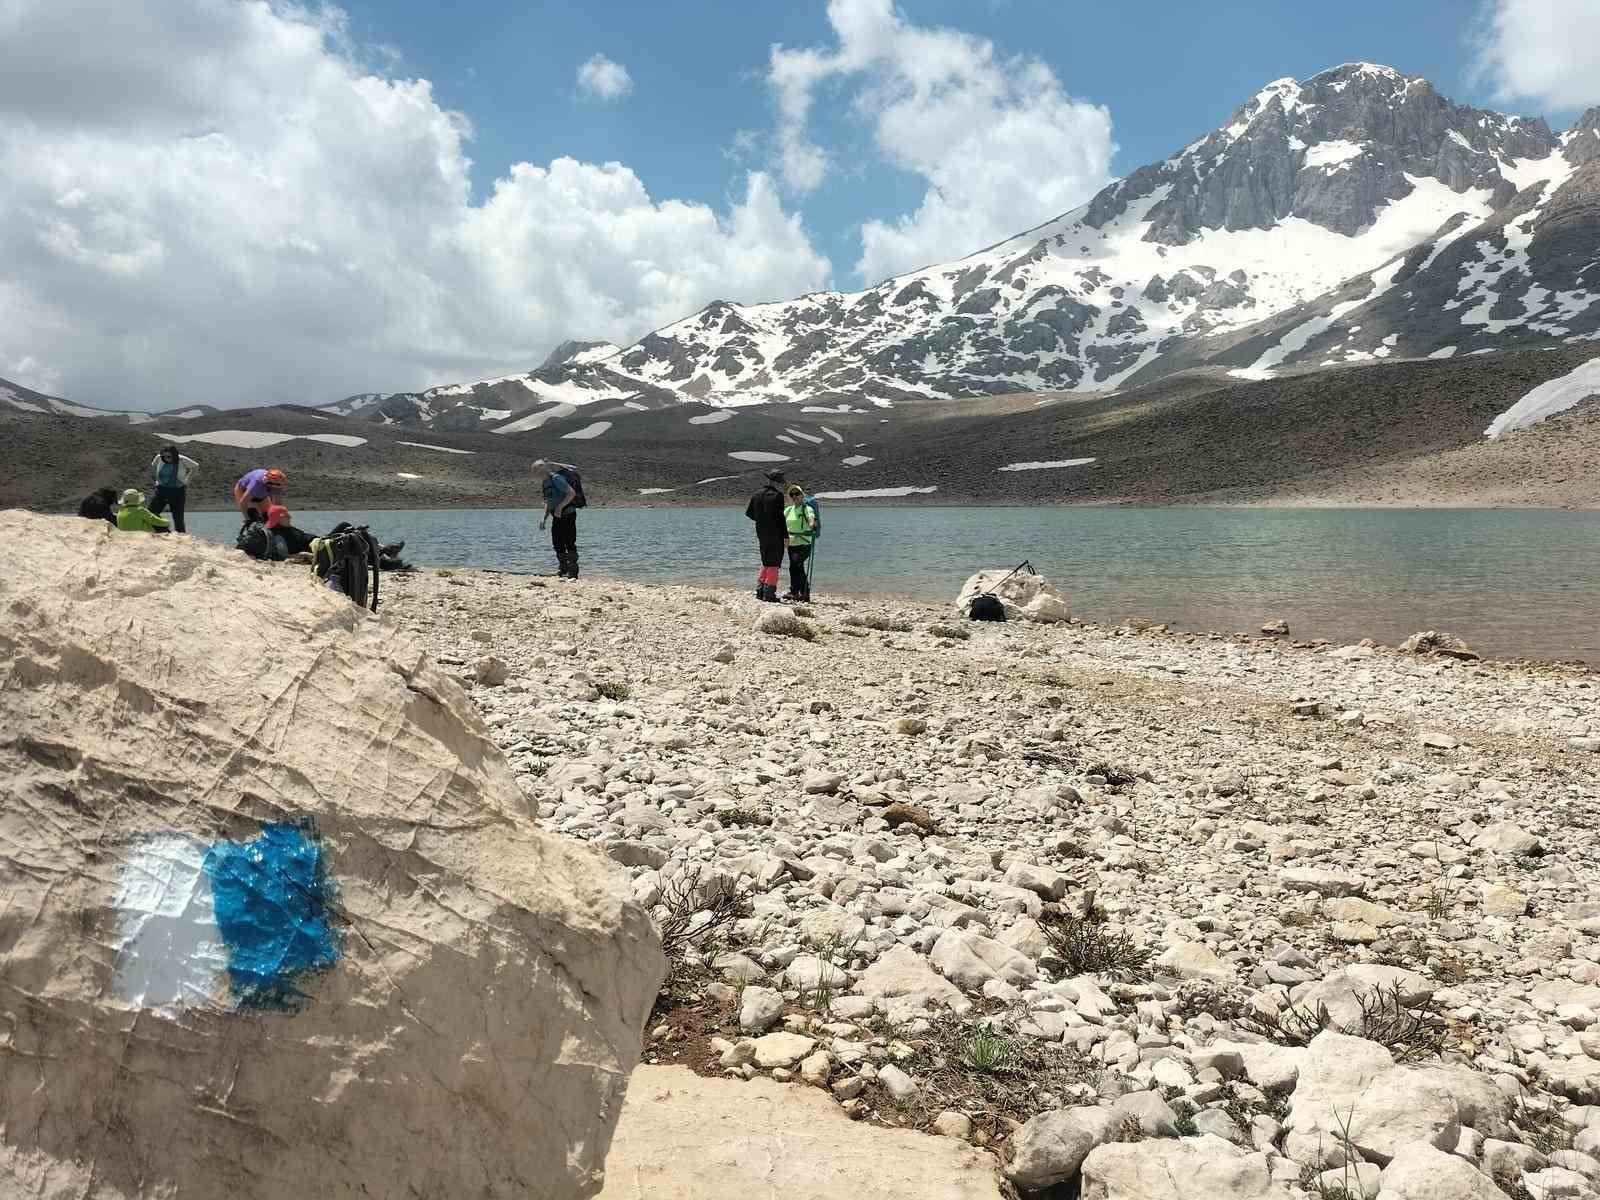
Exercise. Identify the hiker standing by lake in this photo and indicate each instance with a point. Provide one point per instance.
(172, 472)
(800, 526)
(563, 497)
(766, 510)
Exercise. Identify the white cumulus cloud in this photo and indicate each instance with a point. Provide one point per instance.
(604, 78)
(210, 201)
(1000, 143)
(1545, 50)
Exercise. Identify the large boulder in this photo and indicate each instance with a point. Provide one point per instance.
(277, 921)
(1194, 1168)
(1351, 1088)
(687, 1138)
(1051, 1147)
(1026, 596)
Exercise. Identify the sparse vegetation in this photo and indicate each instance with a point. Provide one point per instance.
(978, 1068)
(1409, 1031)
(955, 633)
(614, 689)
(1542, 1128)
(1087, 947)
(746, 817)
(701, 909)
(986, 1051)
(1438, 905)
(881, 623)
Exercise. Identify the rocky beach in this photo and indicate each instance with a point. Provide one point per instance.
(1143, 914)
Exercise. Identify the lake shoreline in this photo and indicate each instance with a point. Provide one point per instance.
(534, 506)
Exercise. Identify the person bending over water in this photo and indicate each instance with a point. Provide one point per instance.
(258, 490)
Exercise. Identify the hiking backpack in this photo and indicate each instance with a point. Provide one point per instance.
(347, 562)
(256, 540)
(816, 516)
(552, 495)
(986, 608)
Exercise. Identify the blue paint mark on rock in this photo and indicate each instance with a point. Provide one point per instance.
(271, 897)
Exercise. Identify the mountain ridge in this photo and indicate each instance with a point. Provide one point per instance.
(1255, 247)
(1356, 215)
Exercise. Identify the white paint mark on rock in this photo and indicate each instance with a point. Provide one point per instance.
(171, 951)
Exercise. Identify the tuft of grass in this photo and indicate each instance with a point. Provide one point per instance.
(1542, 1128)
(1129, 1131)
(1086, 947)
(820, 997)
(1438, 905)
(745, 817)
(986, 1051)
(880, 623)
(955, 633)
(614, 689)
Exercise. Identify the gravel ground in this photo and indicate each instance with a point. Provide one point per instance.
(1257, 917)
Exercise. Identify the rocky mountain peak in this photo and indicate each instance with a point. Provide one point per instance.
(1333, 150)
(576, 351)
(1582, 142)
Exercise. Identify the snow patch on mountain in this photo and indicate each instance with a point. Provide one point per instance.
(257, 439)
(1046, 466)
(535, 419)
(1548, 399)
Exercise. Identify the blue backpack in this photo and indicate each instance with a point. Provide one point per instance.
(816, 516)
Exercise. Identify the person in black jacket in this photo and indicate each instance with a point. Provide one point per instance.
(100, 506)
(766, 510)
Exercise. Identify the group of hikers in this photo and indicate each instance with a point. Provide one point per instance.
(786, 518)
(128, 510)
(345, 558)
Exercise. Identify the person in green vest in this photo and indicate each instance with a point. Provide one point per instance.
(799, 529)
(134, 517)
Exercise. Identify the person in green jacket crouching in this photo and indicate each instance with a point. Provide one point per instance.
(799, 526)
(133, 516)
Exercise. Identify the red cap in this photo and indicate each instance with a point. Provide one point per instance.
(277, 515)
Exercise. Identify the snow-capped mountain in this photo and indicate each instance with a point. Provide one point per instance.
(573, 377)
(15, 398)
(1314, 189)
(1354, 215)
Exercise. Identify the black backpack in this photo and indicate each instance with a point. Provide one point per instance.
(552, 497)
(986, 608)
(347, 561)
(256, 540)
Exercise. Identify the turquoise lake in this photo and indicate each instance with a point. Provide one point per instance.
(1512, 582)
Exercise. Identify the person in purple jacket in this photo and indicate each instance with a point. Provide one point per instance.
(257, 490)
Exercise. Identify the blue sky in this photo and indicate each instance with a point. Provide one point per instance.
(250, 201)
(1166, 71)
